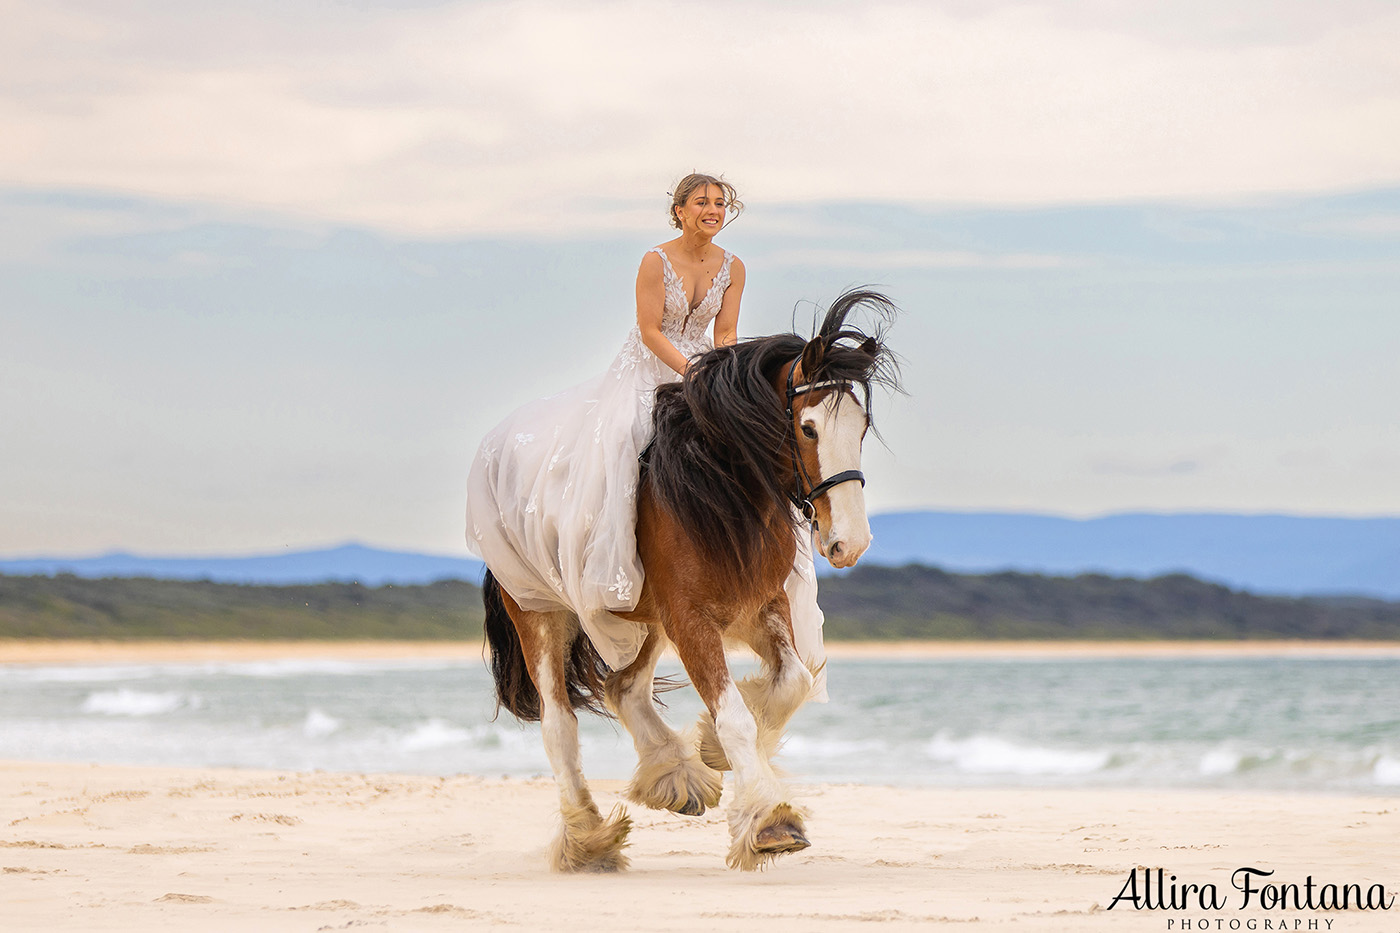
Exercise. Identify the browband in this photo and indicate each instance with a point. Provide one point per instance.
(814, 386)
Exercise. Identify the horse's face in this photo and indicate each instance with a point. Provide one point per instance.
(830, 426)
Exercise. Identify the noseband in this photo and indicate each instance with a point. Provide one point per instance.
(804, 501)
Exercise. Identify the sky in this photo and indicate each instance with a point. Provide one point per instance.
(269, 271)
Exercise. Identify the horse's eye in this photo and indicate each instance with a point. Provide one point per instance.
(807, 430)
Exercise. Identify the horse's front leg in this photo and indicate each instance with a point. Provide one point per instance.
(585, 841)
(763, 823)
(670, 774)
(775, 693)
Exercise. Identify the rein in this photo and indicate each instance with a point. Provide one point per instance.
(799, 499)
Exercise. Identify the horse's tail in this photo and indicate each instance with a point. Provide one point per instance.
(584, 670)
(514, 688)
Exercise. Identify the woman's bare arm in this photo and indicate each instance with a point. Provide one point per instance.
(651, 304)
(727, 321)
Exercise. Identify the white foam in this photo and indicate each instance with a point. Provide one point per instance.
(277, 668)
(127, 702)
(1219, 761)
(1386, 771)
(318, 725)
(435, 733)
(78, 673)
(806, 746)
(984, 754)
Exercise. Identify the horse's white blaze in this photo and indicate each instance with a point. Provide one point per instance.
(840, 425)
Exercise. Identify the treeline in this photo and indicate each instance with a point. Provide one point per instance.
(66, 606)
(878, 603)
(927, 603)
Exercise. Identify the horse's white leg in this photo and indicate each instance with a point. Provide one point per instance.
(585, 841)
(762, 823)
(774, 694)
(670, 774)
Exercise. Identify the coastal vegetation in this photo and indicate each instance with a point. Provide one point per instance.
(868, 603)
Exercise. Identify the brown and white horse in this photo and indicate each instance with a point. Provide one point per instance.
(753, 430)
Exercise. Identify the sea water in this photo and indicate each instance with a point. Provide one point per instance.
(1300, 724)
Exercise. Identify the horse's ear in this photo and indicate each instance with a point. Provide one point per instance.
(812, 356)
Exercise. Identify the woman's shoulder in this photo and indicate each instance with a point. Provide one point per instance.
(659, 251)
(652, 259)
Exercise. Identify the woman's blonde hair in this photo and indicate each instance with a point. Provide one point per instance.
(688, 185)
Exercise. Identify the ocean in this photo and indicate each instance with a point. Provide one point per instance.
(1269, 723)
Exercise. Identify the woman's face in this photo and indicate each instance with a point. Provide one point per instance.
(704, 210)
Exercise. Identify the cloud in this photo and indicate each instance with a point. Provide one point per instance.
(546, 117)
(1380, 226)
(1146, 468)
(917, 259)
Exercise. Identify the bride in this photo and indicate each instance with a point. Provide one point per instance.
(551, 499)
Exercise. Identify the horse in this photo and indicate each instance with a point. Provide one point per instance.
(758, 439)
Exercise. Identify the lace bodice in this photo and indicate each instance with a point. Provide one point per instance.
(687, 328)
(684, 326)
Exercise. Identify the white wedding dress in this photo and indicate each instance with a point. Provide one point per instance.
(552, 495)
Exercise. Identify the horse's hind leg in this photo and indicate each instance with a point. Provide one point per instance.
(763, 824)
(586, 841)
(670, 774)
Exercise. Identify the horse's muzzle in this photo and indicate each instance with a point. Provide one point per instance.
(843, 552)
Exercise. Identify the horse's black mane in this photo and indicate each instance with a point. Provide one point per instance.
(720, 460)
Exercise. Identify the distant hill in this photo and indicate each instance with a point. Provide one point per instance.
(140, 608)
(1272, 554)
(920, 603)
(868, 603)
(345, 564)
(1287, 555)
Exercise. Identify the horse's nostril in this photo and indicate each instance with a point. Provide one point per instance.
(835, 549)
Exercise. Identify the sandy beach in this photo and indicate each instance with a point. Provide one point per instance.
(114, 848)
(87, 847)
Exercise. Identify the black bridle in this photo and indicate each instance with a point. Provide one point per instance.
(799, 499)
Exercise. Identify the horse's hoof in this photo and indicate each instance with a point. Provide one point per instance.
(675, 780)
(588, 843)
(689, 807)
(780, 839)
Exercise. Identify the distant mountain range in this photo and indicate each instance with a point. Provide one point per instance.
(1284, 555)
(370, 566)
(1279, 554)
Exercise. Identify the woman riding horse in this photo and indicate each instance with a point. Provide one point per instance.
(590, 572)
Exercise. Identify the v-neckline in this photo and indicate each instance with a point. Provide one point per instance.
(690, 308)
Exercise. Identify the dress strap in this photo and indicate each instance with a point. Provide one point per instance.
(666, 262)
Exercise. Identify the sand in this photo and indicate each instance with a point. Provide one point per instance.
(111, 848)
(91, 847)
